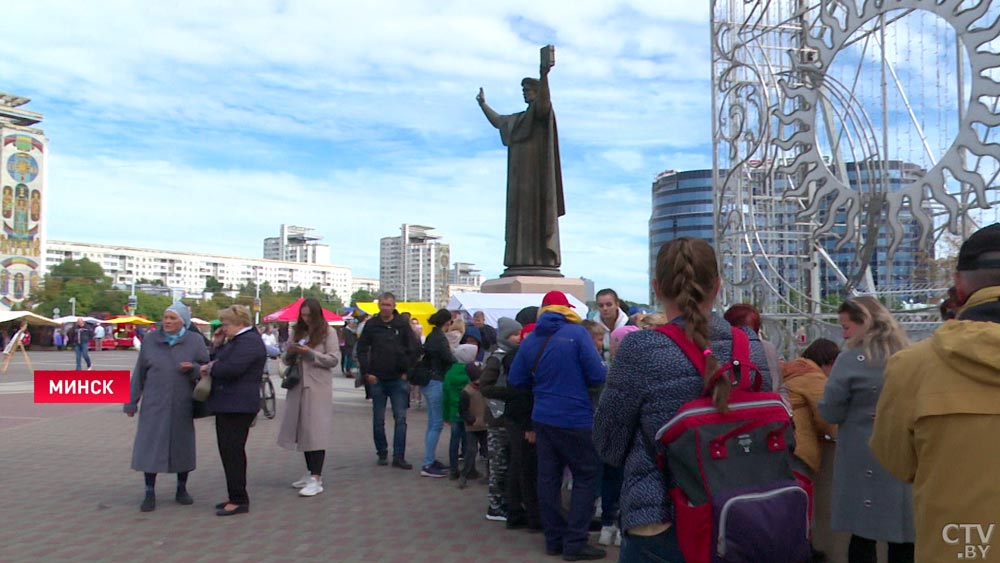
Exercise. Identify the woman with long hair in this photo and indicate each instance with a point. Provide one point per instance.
(307, 425)
(650, 379)
(868, 502)
(438, 359)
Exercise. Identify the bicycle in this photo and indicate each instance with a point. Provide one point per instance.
(268, 400)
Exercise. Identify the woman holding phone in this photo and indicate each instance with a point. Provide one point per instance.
(307, 425)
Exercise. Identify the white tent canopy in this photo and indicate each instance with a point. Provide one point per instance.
(29, 317)
(496, 305)
(71, 319)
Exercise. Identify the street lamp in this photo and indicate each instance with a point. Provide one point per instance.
(72, 301)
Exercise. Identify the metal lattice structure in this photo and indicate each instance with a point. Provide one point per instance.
(848, 136)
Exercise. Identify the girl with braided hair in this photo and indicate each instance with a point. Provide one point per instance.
(650, 379)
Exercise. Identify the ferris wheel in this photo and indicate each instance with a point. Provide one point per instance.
(849, 136)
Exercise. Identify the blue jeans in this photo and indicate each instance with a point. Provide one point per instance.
(81, 352)
(611, 490)
(397, 392)
(457, 443)
(559, 448)
(433, 392)
(661, 548)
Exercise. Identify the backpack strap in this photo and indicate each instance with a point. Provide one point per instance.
(741, 359)
(686, 345)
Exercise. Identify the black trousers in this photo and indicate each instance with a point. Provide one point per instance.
(314, 461)
(231, 431)
(862, 550)
(522, 477)
(475, 445)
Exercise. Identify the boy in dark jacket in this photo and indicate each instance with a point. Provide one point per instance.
(472, 411)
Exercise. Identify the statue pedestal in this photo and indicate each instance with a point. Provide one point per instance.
(536, 284)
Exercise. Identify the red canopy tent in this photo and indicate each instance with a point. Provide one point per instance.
(291, 313)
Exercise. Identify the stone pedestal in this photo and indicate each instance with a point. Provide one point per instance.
(536, 284)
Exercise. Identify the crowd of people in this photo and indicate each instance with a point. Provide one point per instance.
(550, 401)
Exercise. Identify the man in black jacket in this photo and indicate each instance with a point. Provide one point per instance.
(387, 349)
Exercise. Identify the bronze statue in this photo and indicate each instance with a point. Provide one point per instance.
(534, 178)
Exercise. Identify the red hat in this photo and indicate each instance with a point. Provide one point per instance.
(556, 298)
(528, 329)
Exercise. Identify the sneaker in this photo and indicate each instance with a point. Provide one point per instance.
(618, 537)
(586, 553)
(313, 488)
(431, 471)
(401, 463)
(438, 465)
(607, 535)
(496, 516)
(383, 459)
(148, 504)
(303, 481)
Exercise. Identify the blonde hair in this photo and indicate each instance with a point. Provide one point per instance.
(651, 320)
(457, 325)
(237, 314)
(881, 336)
(593, 327)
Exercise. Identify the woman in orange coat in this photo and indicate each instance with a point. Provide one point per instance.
(805, 379)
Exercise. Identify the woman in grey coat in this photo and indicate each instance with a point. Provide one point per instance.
(162, 380)
(868, 502)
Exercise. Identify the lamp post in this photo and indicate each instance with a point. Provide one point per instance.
(72, 301)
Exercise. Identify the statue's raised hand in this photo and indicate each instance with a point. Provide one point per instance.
(481, 97)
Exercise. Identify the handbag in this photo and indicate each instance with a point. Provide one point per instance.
(292, 375)
(202, 389)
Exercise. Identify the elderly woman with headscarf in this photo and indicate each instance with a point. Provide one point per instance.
(162, 381)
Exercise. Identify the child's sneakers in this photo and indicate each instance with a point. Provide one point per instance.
(495, 515)
(610, 535)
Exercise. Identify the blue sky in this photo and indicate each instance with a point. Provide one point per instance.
(210, 123)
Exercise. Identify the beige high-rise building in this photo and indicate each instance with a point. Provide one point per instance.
(297, 244)
(23, 152)
(414, 265)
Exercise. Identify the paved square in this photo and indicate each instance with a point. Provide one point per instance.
(68, 493)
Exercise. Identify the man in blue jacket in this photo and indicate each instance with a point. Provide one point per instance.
(559, 362)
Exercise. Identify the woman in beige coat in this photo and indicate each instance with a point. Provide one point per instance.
(307, 425)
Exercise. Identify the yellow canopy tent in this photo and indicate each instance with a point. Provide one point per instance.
(420, 310)
(130, 320)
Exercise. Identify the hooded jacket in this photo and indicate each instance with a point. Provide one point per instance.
(805, 381)
(568, 364)
(936, 427)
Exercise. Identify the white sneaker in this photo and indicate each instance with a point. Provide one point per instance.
(618, 537)
(303, 481)
(312, 489)
(607, 535)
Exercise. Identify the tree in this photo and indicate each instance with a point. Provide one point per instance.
(213, 285)
(80, 279)
(362, 296)
(151, 305)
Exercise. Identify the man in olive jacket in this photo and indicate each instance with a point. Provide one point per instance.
(939, 415)
(387, 349)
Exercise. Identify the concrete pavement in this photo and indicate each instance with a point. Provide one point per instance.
(67, 492)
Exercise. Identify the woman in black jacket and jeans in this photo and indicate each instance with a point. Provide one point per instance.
(236, 369)
(438, 358)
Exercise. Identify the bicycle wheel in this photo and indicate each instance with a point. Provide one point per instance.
(268, 403)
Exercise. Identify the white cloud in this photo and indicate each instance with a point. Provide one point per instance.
(213, 122)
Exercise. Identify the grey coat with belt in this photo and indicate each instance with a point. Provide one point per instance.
(867, 500)
(164, 440)
(307, 424)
